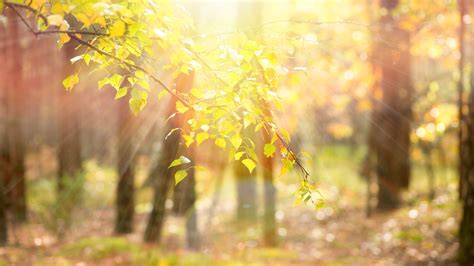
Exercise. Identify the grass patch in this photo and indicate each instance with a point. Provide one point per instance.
(99, 248)
(411, 235)
(154, 257)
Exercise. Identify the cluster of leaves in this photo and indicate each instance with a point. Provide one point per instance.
(133, 43)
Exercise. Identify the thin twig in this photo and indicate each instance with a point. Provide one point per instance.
(72, 32)
(27, 7)
(122, 61)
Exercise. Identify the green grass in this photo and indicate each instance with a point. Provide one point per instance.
(98, 248)
(411, 235)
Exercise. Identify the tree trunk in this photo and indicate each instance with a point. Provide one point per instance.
(466, 230)
(69, 183)
(463, 136)
(392, 139)
(15, 186)
(269, 222)
(161, 174)
(69, 148)
(4, 152)
(125, 206)
(250, 16)
(184, 198)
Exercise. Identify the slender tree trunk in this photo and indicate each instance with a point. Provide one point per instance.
(69, 183)
(183, 203)
(15, 186)
(250, 16)
(69, 149)
(430, 173)
(4, 152)
(125, 206)
(466, 230)
(393, 118)
(463, 137)
(161, 175)
(269, 222)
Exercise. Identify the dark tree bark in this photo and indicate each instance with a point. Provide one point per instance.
(393, 112)
(463, 125)
(4, 152)
(161, 175)
(125, 206)
(466, 230)
(15, 185)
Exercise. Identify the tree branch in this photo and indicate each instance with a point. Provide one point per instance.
(27, 7)
(131, 65)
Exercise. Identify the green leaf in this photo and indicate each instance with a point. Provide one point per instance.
(180, 176)
(180, 161)
(269, 150)
(287, 166)
(70, 81)
(250, 164)
(121, 92)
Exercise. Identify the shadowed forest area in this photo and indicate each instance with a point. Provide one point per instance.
(234, 132)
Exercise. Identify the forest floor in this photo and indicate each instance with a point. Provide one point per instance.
(422, 232)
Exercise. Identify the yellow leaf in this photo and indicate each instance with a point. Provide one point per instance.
(84, 19)
(238, 155)
(236, 141)
(181, 160)
(180, 107)
(250, 164)
(180, 176)
(269, 150)
(70, 81)
(117, 29)
(64, 38)
(101, 21)
(220, 142)
(201, 136)
(121, 92)
(57, 8)
(189, 140)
